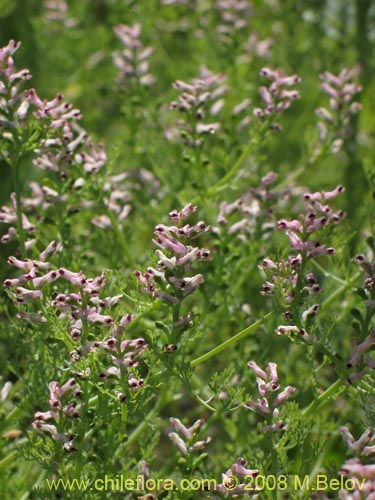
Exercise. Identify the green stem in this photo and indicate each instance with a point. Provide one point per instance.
(175, 318)
(6, 461)
(333, 391)
(363, 42)
(17, 190)
(339, 291)
(141, 426)
(12, 456)
(233, 340)
(232, 172)
(328, 274)
(275, 465)
(120, 237)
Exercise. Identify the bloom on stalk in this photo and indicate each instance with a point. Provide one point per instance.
(233, 17)
(185, 438)
(231, 479)
(270, 396)
(277, 97)
(56, 12)
(82, 306)
(133, 61)
(360, 472)
(13, 104)
(364, 446)
(197, 98)
(253, 206)
(67, 143)
(8, 215)
(168, 280)
(60, 412)
(335, 121)
(120, 192)
(284, 276)
(361, 347)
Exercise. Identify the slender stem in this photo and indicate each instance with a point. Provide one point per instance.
(120, 236)
(232, 172)
(17, 190)
(275, 464)
(175, 318)
(363, 39)
(297, 171)
(327, 274)
(339, 291)
(141, 426)
(233, 340)
(12, 456)
(6, 461)
(333, 391)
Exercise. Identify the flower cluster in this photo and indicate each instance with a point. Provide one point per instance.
(362, 475)
(368, 267)
(68, 145)
(57, 12)
(231, 479)
(79, 307)
(83, 309)
(336, 121)
(363, 480)
(8, 215)
(53, 134)
(270, 396)
(124, 355)
(60, 411)
(185, 438)
(233, 16)
(65, 143)
(360, 348)
(285, 276)
(364, 446)
(197, 98)
(13, 104)
(254, 207)
(133, 61)
(277, 97)
(119, 191)
(360, 357)
(260, 48)
(168, 281)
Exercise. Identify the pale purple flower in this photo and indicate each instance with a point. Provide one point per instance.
(276, 98)
(231, 484)
(234, 15)
(335, 125)
(13, 105)
(272, 396)
(359, 446)
(8, 215)
(362, 480)
(196, 98)
(133, 61)
(179, 442)
(257, 370)
(284, 395)
(189, 444)
(302, 233)
(360, 356)
(257, 47)
(174, 239)
(30, 316)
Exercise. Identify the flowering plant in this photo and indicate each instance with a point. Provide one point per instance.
(187, 245)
